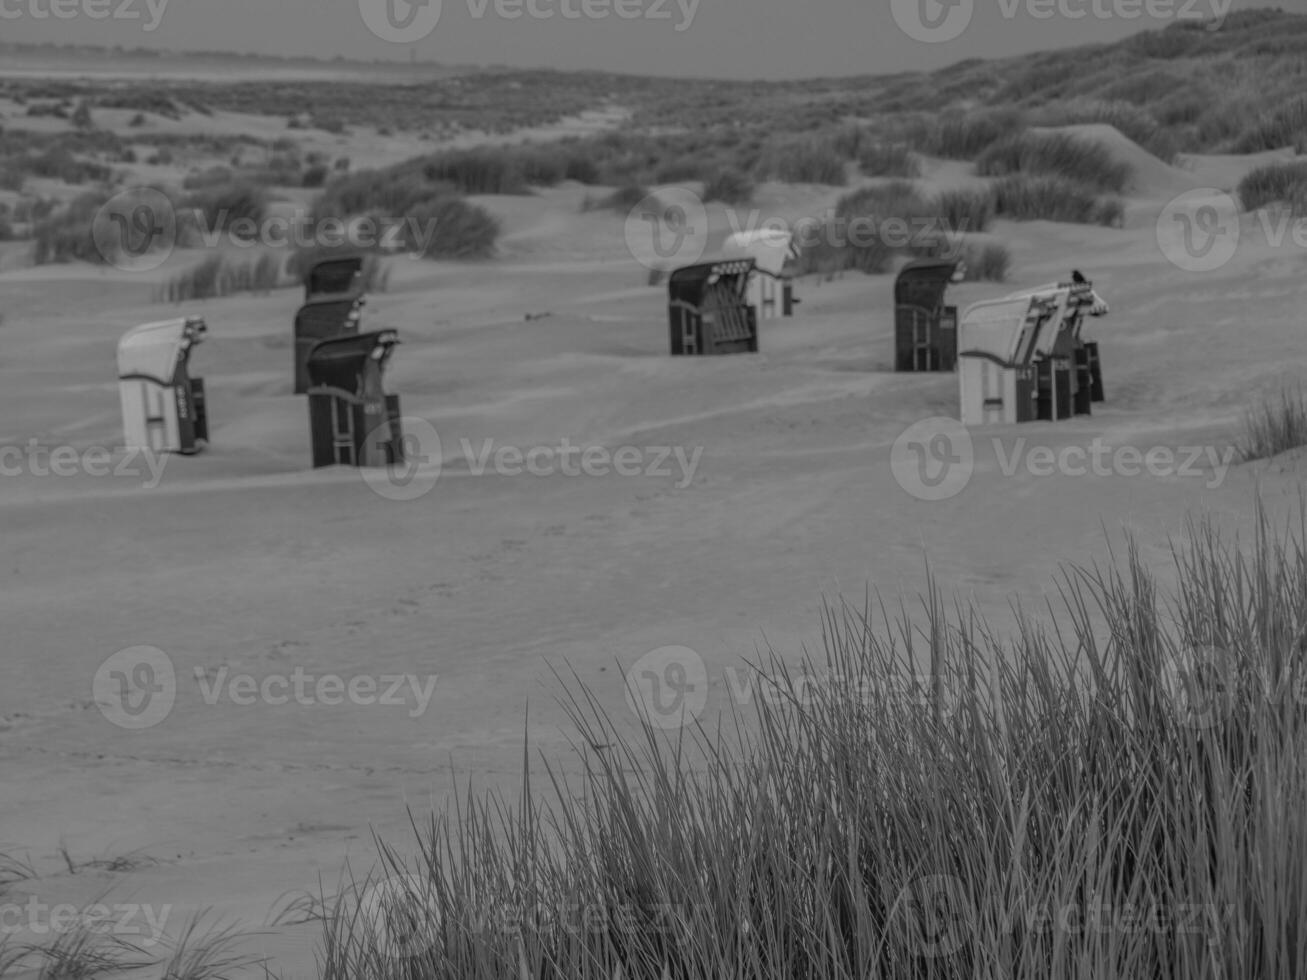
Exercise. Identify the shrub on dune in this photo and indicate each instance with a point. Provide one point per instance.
(1182, 108)
(450, 228)
(969, 210)
(224, 275)
(315, 176)
(210, 177)
(219, 207)
(61, 163)
(485, 170)
(1145, 88)
(377, 192)
(887, 160)
(67, 235)
(678, 171)
(798, 161)
(867, 214)
(506, 169)
(1136, 123)
(986, 262)
(729, 187)
(436, 220)
(957, 135)
(580, 167)
(1277, 183)
(1284, 127)
(1276, 425)
(877, 223)
(1056, 154)
(1025, 198)
(622, 200)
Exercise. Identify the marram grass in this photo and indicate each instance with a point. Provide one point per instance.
(1117, 788)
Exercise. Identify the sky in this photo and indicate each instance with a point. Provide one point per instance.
(702, 38)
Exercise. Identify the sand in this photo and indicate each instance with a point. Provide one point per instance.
(244, 559)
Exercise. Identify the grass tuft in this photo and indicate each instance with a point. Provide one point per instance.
(1276, 425)
(223, 275)
(729, 187)
(966, 210)
(1277, 183)
(804, 161)
(206, 949)
(1055, 154)
(888, 160)
(621, 200)
(1025, 198)
(80, 951)
(986, 262)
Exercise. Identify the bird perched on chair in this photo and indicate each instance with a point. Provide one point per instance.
(1077, 278)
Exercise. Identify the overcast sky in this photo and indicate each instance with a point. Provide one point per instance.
(720, 38)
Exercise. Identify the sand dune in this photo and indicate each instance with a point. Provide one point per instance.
(1151, 177)
(243, 558)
